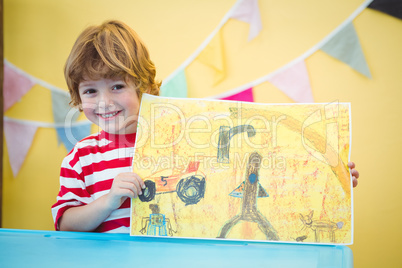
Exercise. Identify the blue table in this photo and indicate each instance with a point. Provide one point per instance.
(27, 248)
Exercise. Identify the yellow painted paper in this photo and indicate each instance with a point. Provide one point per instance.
(237, 170)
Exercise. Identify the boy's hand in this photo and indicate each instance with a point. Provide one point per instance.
(354, 172)
(125, 185)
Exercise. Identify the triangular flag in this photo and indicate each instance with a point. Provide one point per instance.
(62, 112)
(294, 82)
(69, 136)
(213, 57)
(19, 138)
(345, 46)
(249, 12)
(175, 87)
(15, 85)
(390, 7)
(245, 95)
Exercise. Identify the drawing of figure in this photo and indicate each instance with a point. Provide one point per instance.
(320, 226)
(156, 223)
(251, 191)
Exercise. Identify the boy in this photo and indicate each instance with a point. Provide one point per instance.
(107, 72)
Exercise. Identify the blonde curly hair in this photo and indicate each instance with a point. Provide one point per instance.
(109, 51)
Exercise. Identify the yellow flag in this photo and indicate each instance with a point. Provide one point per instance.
(213, 57)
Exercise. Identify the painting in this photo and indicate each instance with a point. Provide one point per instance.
(217, 169)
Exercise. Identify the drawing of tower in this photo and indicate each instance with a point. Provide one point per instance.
(249, 211)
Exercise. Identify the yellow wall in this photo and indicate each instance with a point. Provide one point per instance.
(39, 35)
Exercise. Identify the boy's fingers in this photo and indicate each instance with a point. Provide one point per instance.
(355, 182)
(130, 193)
(138, 189)
(141, 182)
(355, 173)
(351, 165)
(136, 184)
(131, 187)
(133, 178)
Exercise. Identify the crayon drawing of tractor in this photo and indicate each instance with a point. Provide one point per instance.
(189, 184)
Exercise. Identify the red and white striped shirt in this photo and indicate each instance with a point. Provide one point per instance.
(87, 173)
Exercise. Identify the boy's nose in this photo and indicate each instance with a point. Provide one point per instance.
(106, 105)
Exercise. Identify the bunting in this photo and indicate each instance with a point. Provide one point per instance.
(345, 46)
(294, 82)
(346, 40)
(244, 10)
(19, 138)
(246, 95)
(19, 134)
(249, 12)
(292, 79)
(390, 7)
(213, 57)
(175, 87)
(15, 85)
(69, 136)
(61, 108)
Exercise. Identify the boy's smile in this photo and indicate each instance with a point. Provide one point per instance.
(111, 104)
(109, 115)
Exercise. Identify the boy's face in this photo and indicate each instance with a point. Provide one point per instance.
(113, 105)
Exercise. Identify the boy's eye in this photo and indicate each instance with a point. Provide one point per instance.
(117, 87)
(89, 91)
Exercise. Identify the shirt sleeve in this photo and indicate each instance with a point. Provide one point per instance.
(72, 192)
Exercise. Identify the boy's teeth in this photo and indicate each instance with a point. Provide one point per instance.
(108, 115)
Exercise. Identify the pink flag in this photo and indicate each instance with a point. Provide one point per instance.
(249, 12)
(294, 82)
(19, 138)
(15, 85)
(246, 95)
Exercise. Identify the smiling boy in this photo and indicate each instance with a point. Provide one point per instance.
(107, 72)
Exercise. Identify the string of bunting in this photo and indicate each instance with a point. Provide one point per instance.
(342, 44)
(292, 79)
(19, 133)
